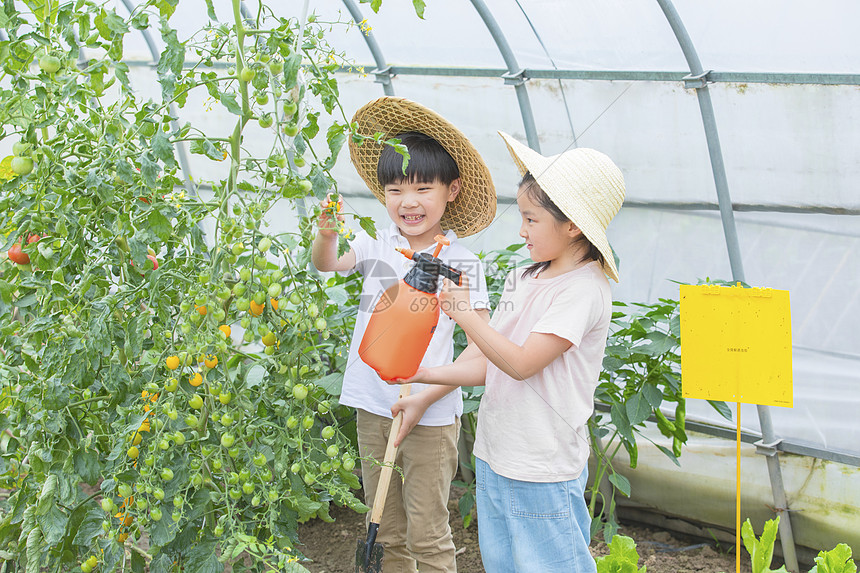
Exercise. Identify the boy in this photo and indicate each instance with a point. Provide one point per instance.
(446, 187)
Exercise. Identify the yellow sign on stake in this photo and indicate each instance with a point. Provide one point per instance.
(736, 347)
(736, 344)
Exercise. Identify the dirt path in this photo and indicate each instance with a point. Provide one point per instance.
(331, 546)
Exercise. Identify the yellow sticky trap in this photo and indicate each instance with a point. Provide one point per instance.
(736, 344)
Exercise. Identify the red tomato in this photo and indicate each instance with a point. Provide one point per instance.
(17, 256)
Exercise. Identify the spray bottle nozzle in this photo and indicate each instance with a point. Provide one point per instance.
(428, 268)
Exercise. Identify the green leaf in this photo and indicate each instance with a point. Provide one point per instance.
(210, 9)
(292, 63)
(622, 424)
(653, 395)
(53, 524)
(331, 383)
(228, 100)
(837, 560)
(311, 127)
(159, 224)
(163, 149)
(621, 483)
(659, 343)
(722, 408)
(638, 409)
(201, 558)
(90, 527)
(368, 226)
(207, 148)
(173, 57)
(87, 465)
(419, 8)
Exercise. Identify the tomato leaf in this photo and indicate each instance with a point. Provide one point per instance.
(87, 465)
(207, 148)
(228, 100)
(202, 558)
(173, 57)
(90, 527)
(210, 8)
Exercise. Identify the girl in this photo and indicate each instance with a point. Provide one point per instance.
(540, 357)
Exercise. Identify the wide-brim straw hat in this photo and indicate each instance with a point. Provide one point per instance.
(475, 206)
(584, 183)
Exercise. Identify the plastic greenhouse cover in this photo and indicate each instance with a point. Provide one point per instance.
(791, 151)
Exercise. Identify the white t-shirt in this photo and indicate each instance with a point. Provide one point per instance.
(381, 267)
(534, 429)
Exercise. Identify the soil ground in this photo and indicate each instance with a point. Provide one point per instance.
(331, 546)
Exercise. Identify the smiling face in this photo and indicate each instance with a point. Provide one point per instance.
(417, 208)
(547, 238)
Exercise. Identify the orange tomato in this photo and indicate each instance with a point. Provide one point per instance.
(256, 309)
(196, 380)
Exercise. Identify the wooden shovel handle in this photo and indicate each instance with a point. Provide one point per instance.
(388, 462)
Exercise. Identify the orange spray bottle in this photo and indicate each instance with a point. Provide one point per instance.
(405, 317)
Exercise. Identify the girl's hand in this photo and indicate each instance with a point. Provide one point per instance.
(329, 219)
(421, 376)
(413, 408)
(453, 299)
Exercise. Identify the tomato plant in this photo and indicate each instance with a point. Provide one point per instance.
(128, 409)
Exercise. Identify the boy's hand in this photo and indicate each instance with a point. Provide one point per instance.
(330, 219)
(413, 408)
(454, 300)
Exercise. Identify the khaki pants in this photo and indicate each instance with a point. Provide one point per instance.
(414, 529)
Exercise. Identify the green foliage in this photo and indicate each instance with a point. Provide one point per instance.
(837, 560)
(641, 375)
(761, 549)
(622, 557)
(128, 408)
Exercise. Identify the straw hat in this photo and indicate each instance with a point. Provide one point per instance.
(475, 205)
(585, 184)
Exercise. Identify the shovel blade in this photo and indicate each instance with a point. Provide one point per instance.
(374, 564)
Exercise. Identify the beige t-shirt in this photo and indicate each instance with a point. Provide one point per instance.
(534, 429)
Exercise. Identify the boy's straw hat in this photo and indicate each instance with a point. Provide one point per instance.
(475, 205)
(585, 184)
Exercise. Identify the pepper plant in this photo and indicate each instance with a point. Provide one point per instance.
(163, 388)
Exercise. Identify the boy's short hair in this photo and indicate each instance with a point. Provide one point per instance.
(429, 162)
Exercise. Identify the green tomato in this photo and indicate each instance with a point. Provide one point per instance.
(155, 514)
(308, 422)
(290, 108)
(295, 298)
(313, 310)
(141, 503)
(50, 64)
(273, 495)
(247, 74)
(108, 505)
(178, 501)
(274, 290)
(22, 165)
(300, 392)
(191, 420)
(172, 385)
(332, 451)
(291, 129)
(260, 460)
(158, 493)
(308, 478)
(234, 452)
(266, 120)
(235, 494)
(248, 487)
(327, 433)
(296, 468)
(323, 407)
(218, 531)
(176, 516)
(265, 244)
(320, 324)
(348, 463)
(178, 438)
(226, 419)
(21, 148)
(124, 490)
(225, 397)
(227, 440)
(196, 402)
(167, 474)
(292, 422)
(305, 186)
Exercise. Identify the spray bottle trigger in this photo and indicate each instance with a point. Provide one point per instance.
(450, 273)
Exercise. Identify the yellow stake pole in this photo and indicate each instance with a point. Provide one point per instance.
(738, 493)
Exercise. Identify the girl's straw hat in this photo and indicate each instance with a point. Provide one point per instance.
(585, 184)
(475, 205)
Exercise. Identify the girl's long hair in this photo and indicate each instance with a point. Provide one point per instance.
(529, 186)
